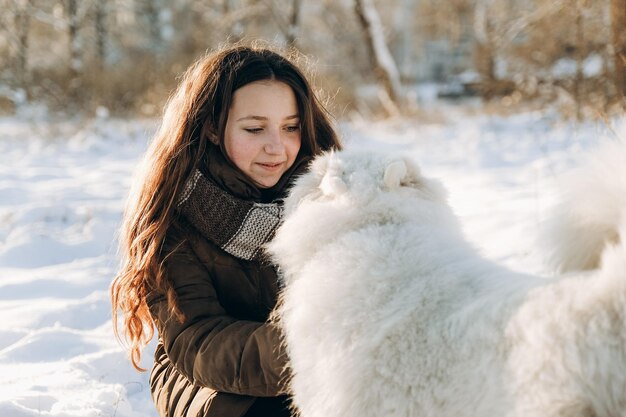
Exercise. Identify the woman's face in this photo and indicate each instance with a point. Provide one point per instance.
(262, 135)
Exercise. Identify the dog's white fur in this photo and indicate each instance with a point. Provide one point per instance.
(387, 311)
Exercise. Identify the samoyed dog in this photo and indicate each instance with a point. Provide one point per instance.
(388, 311)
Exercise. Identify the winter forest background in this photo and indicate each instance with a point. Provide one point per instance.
(497, 98)
(124, 55)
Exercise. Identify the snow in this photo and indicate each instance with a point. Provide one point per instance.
(63, 187)
(592, 66)
(62, 191)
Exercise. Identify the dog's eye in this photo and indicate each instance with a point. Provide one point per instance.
(410, 182)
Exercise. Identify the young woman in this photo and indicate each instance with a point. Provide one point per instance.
(242, 124)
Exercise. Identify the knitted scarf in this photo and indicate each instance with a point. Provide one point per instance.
(239, 227)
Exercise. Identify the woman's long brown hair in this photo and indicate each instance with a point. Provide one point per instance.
(195, 114)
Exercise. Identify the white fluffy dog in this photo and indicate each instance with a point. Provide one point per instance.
(388, 311)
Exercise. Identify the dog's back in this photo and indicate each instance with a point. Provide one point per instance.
(387, 310)
(591, 215)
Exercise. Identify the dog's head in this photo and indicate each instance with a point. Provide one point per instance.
(345, 191)
(362, 177)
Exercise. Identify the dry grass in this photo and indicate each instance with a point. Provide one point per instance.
(134, 87)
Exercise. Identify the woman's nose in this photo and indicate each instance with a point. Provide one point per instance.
(274, 144)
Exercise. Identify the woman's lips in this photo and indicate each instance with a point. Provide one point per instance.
(270, 166)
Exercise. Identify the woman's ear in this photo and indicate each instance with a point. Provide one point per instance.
(212, 137)
(210, 134)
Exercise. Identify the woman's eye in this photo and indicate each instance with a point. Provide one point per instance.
(253, 130)
(293, 128)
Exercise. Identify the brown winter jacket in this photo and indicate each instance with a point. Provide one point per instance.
(224, 355)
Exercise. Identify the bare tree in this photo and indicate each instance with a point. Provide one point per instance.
(147, 11)
(287, 24)
(530, 45)
(385, 67)
(294, 20)
(485, 45)
(541, 10)
(492, 20)
(15, 23)
(100, 18)
(22, 25)
(618, 15)
(234, 20)
(581, 53)
(71, 14)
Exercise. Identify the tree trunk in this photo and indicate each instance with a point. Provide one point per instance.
(618, 18)
(152, 16)
(385, 67)
(147, 12)
(226, 11)
(407, 40)
(292, 29)
(71, 8)
(22, 23)
(100, 19)
(485, 61)
(580, 56)
(288, 25)
(484, 49)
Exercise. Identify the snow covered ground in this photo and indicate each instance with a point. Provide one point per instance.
(62, 190)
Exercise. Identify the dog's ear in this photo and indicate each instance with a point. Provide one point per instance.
(332, 185)
(394, 174)
(413, 176)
